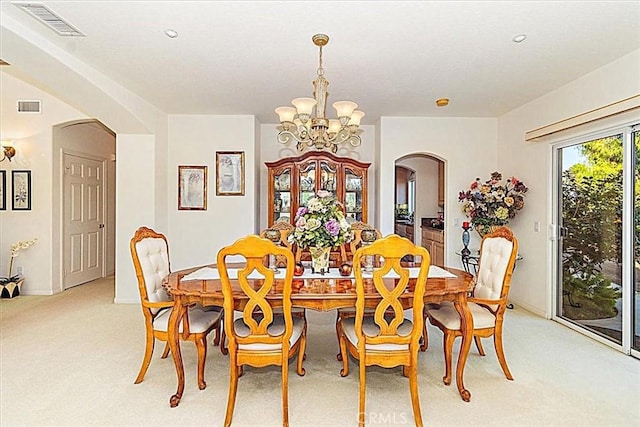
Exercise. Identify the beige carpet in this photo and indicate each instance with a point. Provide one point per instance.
(70, 360)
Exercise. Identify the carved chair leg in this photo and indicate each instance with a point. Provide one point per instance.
(201, 346)
(233, 388)
(448, 340)
(223, 343)
(148, 352)
(413, 388)
(478, 342)
(425, 337)
(363, 391)
(345, 356)
(166, 350)
(219, 327)
(301, 352)
(497, 342)
(285, 391)
(338, 332)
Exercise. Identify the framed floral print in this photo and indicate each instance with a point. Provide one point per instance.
(3, 190)
(192, 188)
(21, 190)
(229, 173)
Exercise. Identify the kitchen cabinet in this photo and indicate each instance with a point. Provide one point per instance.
(294, 180)
(404, 230)
(433, 240)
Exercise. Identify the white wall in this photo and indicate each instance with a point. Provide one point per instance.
(196, 236)
(466, 145)
(135, 183)
(532, 283)
(32, 136)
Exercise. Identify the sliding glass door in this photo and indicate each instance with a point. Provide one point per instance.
(598, 211)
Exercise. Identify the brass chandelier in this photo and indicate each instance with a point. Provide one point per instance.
(297, 124)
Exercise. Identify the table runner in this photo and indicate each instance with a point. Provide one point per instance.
(209, 273)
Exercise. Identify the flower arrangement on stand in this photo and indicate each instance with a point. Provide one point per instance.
(320, 227)
(10, 285)
(492, 203)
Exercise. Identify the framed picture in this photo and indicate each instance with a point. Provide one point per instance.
(230, 173)
(3, 190)
(192, 188)
(21, 190)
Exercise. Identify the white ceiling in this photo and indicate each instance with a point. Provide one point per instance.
(392, 58)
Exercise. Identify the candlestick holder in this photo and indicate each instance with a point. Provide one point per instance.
(465, 241)
(273, 235)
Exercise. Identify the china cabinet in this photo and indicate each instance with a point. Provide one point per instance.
(294, 180)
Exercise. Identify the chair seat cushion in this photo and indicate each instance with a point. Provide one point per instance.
(276, 328)
(446, 314)
(199, 320)
(370, 328)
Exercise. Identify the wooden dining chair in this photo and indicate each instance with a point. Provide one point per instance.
(354, 245)
(258, 335)
(150, 254)
(388, 338)
(488, 302)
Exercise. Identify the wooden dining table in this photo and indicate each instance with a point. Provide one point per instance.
(317, 292)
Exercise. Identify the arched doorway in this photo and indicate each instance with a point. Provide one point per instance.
(420, 179)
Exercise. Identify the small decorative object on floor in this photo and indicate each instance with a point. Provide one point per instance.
(491, 204)
(321, 226)
(10, 286)
(465, 241)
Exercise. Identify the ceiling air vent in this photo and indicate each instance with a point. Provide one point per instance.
(50, 19)
(29, 106)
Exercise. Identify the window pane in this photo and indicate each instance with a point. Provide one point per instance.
(591, 245)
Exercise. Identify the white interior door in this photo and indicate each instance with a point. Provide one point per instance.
(83, 246)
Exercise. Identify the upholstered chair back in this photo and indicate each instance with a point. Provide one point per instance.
(497, 259)
(150, 252)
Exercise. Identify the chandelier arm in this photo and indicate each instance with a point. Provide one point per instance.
(285, 136)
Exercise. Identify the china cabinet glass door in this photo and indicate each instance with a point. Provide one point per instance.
(282, 195)
(328, 176)
(353, 199)
(307, 184)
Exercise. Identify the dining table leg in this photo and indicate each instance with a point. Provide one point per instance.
(466, 328)
(173, 331)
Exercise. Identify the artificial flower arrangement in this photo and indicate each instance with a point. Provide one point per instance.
(15, 251)
(321, 223)
(491, 202)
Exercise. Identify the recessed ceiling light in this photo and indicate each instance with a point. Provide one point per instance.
(172, 34)
(519, 38)
(442, 102)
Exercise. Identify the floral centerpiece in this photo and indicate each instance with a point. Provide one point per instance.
(10, 285)
(321, 226)
(492, 203)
